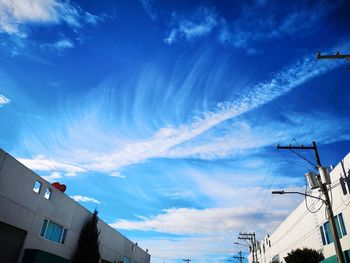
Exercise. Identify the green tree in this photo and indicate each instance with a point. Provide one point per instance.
(88, 250)
(305, 255)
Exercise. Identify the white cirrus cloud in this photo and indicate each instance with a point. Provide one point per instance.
(40, 163)
(219, 220)
(149, 8)
(61, 44)
(201, 23)
(53, 177)
(182, 140)
(116, 174)
(15, 14)
(4, 100)
(210, 221)
(257, 25)
(163, 143)
(81, 198)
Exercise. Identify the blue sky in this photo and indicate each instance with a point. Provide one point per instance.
(165, 114)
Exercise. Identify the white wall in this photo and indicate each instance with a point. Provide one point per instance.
(301, 228)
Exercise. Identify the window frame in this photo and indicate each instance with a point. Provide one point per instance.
(46, 222)
(48, 192)
(37, 182)
(326, 232)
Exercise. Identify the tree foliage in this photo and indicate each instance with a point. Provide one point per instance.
(88, 250)
(305, 255)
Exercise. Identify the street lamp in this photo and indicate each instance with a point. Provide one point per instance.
(282, 192)
(323, 180)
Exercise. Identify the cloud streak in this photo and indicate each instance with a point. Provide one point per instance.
(149, 8)
(4, 100)
(81, 198)
(185, 140)
(40, 163)
(53, 177)
(62, 44)
(188, 221)
(162, 143)
(201, 23)
(14, 15)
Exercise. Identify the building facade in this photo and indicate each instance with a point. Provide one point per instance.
(307, 226)
(39, 223)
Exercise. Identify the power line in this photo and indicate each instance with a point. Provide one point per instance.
(323, 187)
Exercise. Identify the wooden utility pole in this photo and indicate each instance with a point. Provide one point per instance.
(323, 186)
(250, 237)
(240, 257)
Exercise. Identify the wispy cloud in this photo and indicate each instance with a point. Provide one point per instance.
(162, 143)
(252, 25)
(4, 100)
(81, 198)
(201, 23)
(148, 6)
(40, 163)
(62, 44)
(194, 221)
(184, 140)
(117, 174)
(14, 15)
(203, 226)
(256, 25)
(53, 177)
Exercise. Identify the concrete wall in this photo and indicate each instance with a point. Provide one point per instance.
(21, 207)
(301, 228)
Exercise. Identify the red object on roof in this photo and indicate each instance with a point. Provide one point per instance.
(63, 188)
(60, 187)
(56, 185)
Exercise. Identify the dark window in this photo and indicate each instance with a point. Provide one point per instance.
(342, 225)
(326, 231)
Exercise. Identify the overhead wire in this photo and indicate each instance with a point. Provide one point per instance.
(254, 218)
(297, 133)
(306, 134)
(314, 203)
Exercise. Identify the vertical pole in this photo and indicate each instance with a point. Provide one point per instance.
(253, 249)
(338, 248)
(240, 257)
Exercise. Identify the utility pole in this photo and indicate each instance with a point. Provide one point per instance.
(323, 186)
(336, 56)
(250, 237)
(240, 257)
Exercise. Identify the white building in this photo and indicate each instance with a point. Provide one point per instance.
(303, 228)
(39, 223)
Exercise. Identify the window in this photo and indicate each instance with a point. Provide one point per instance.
(37, 187)
(48, 193)
(53, 232)
(326, 231)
